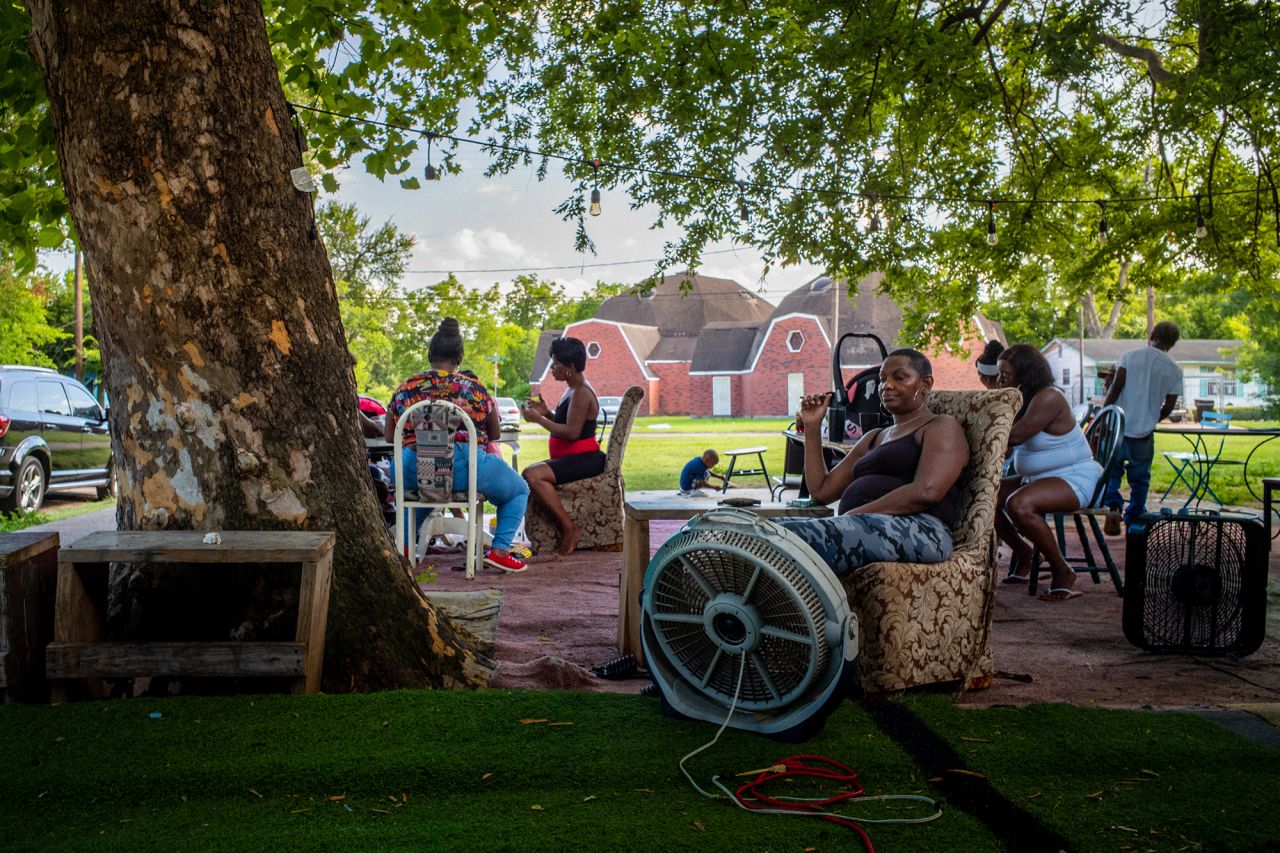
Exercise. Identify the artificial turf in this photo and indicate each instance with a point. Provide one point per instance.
(496, 770)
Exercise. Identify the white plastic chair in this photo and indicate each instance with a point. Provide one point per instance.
(471, 501)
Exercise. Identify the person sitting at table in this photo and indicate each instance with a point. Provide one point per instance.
(575, 453)
(987, 364)
(898, 486)
(501, 485)
(1054, 470)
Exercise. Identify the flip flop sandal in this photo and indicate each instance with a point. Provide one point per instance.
(620, 667)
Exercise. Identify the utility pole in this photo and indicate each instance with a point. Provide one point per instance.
(1151, 309)
(495, 358)
(1080, 333)
(79, 309)
(837, 375)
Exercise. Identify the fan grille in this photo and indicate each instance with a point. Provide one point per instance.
(702, 565)
(1193, 586)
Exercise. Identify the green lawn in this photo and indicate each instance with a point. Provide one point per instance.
(654, 456)
(510, 770)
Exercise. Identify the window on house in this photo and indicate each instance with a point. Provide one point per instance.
(795, 342)
(1066, 376)
(1224, 385)
(593, 350)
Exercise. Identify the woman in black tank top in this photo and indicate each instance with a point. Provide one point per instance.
(575, 455)
(898, 487)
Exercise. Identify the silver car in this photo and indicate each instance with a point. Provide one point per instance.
(609, 405)
(508, 413)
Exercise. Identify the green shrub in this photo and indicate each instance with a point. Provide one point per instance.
(12, 521)
(1251, 413)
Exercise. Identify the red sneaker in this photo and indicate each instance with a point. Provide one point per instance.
(506, 562)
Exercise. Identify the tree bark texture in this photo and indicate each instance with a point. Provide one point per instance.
(232, 395)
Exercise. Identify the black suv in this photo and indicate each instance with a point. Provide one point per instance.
(53, 436)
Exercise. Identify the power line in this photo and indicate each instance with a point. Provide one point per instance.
(564, 267)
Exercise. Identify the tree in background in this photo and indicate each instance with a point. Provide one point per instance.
(367, 264)
(60, 313)
(26, 336)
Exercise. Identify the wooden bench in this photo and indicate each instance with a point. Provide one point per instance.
(28, 575)
(733, 455)
(79, 650)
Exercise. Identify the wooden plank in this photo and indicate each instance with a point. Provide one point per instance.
(313, 618)
(186, 546)
(16, 548)
(667, 505)
(635, 559)
(125, 660)
(28, 584)
(81, 603)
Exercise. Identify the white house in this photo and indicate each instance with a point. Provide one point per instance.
(1208, 369)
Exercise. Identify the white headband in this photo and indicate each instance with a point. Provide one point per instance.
(988, 369)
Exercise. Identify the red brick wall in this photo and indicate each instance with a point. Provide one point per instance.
(674, 393)
(765, 390)
(955, 371)
(611, 374)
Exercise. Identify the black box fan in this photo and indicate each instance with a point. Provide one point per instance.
(1196, 584)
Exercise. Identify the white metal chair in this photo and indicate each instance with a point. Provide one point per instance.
(431, 441)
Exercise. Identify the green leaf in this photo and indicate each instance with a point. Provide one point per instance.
(50, 237)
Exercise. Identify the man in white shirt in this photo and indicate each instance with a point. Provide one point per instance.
(1146, 386)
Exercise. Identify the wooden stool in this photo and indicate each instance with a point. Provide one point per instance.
(1269, 484)
(28, 576)
(746, 472)
(78, 649)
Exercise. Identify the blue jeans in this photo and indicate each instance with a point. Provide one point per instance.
(495, 479)
(1133, 460)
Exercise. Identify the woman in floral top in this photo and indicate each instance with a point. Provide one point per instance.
(501, 485)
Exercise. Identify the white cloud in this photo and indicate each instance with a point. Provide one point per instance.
(487, 244)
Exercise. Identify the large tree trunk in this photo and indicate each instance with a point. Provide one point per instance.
(232, 396)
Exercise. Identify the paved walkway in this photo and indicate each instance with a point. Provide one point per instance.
(77, 527)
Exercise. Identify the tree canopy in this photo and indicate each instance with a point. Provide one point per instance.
(859, 137)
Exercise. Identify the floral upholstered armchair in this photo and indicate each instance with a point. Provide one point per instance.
(923, 623)
(596, 502)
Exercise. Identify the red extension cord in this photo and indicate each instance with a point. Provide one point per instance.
(750, 797)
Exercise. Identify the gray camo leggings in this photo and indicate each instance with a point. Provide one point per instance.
(846, 542)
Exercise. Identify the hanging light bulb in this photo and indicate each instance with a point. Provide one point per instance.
(1104, 231)
(1202, 230)
(992, 237)
(431, 172)
(743, 214)
(594, 210)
